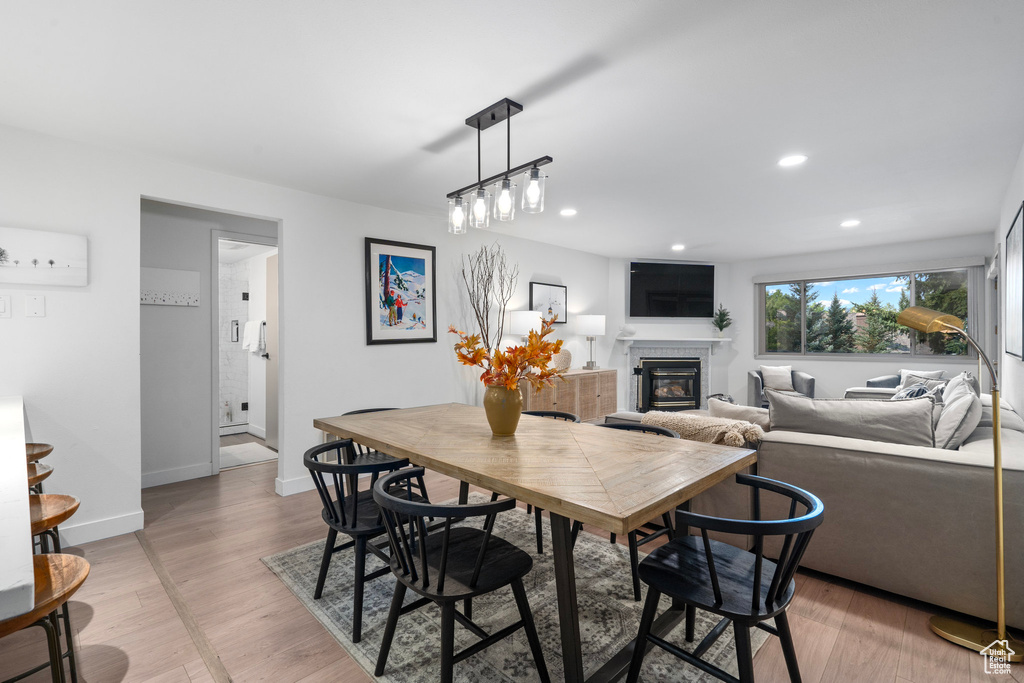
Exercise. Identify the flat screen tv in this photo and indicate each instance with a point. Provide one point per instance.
(671, 290)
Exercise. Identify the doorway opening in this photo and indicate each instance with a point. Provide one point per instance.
(247, 316)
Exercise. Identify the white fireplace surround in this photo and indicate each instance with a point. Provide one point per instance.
(663, 349)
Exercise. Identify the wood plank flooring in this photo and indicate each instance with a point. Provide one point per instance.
(206, 537)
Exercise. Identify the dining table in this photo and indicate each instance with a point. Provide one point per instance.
(612, 479)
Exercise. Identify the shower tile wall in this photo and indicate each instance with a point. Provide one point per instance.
(234, 362)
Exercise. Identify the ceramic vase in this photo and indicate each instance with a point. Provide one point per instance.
(503, 408)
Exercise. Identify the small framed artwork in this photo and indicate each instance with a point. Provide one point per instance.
(549, 300)
(401, 295)
(39, 257)
(1014, 286)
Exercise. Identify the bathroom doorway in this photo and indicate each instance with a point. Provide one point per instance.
(247, 318)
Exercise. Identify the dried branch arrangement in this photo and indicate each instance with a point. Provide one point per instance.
(490, 282)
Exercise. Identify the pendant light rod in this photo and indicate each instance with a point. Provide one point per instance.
(508, 138)
(504, 174)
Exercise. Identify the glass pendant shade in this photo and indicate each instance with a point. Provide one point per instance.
(457, 218)
(505, 200)
(533, 191)
(480, 208)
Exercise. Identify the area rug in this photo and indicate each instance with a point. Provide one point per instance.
(244, 454)
(609, 618)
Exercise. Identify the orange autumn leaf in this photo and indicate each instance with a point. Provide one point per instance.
(508, 368)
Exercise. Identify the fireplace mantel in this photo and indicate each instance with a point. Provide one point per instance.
(667, 340)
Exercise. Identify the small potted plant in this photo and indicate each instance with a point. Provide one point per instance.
(504, 370)
(721, 319)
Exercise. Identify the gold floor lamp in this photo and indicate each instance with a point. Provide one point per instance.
(969, 635)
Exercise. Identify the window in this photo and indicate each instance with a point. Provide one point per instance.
(858, 315)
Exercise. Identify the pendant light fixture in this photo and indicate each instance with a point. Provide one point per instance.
(474, 204)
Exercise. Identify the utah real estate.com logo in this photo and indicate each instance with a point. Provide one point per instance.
(997, 657)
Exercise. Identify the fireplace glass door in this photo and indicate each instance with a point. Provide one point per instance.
(673, 389)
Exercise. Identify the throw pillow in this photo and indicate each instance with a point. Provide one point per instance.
(962, 383)
(931, 384)
(903, 422)
(927, 374)
(758, 416)
(958, 419)
(910, 391)
(778, 377)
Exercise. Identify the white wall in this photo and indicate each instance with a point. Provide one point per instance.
(832, 377)
(1011, 369)
(257, 363)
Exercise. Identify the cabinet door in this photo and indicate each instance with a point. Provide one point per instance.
(588, 396)
(565, 395)
(538, 400)
(607, 393)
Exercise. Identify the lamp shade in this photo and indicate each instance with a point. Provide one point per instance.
(926, 320)
(590, 325)
(521, 322)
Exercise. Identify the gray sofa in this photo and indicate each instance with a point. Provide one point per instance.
(802, 383)
(913, 520)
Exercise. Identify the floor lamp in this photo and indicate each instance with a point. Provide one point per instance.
(969, 635)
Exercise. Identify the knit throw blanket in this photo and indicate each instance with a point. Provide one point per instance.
(699, 426)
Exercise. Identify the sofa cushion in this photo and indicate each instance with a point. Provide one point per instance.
(925, 374)
(777, 377)
(1008, 418)
(752, 414)
(901, 422)
(960, 416)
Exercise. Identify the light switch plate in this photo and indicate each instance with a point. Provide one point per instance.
(35, 306)
(5, 306)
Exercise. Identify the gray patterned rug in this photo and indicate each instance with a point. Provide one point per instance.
(608, 616)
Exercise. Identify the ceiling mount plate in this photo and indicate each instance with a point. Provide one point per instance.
(496, 113)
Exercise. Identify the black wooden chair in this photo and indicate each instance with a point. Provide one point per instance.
(647, 533)
(354, 514)
(538, 520)
(365, 454)
(741, 586)
(446, 564)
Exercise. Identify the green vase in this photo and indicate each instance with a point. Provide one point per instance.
(503, 408)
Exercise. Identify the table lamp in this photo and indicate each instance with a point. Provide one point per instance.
(968, 635)
(592, 326)
(521, 322)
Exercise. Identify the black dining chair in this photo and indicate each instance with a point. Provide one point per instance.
(350, 512)
(647, 533)
(538, 520)
(365, 454)
(743, 587)
(446, 564)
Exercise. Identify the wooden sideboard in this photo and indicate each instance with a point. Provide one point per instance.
(588, 393)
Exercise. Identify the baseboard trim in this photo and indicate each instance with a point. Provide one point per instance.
(288, 487)
(87, 532)
(258, 432)
(228, 430)
(161, 477)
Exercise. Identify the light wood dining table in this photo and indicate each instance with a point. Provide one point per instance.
(612, 479)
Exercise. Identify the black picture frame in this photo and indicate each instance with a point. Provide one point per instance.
(412, 319)
(550, 299)
(1013, 328)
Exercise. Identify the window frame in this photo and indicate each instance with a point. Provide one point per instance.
(975, 310)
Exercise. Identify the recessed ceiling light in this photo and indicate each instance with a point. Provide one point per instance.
(568, 212)
(852, 223)
(678, 247)
(792, 160)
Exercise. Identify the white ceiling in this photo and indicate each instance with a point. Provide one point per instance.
(665, 118)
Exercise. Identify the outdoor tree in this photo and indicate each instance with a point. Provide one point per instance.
(817, 330)
(880, 330)
(839, 334)
(945, 292)
(782, 320)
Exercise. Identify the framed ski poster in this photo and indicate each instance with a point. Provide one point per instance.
(401, 299)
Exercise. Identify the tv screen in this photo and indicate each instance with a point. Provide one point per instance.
(671, 290)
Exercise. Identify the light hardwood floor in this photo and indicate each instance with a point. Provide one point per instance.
(206, 536)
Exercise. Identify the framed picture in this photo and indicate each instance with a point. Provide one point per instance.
(401, 296)
(549, 300)
(39, 257)
(1014, 287)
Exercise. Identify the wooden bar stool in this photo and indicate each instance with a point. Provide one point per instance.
(37, 471)
(47, 510)
(57, 577)
(37, 451)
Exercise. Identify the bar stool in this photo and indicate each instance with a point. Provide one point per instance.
(37, 471)
(37, 451)
(57, 577)
(48, 510)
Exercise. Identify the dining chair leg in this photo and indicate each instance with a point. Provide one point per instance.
(531, 629)
(397, 598)
(744, 654)
(529, 509)
(467, 608)
(691, 622)
(447, 642)
(539, 523)
(357, 598)
(634, 563)
(788, 650)
(72, 664)
(332, 536)
(640, 644)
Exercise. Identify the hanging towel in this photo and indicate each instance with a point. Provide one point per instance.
(261, 337)
(251, 335)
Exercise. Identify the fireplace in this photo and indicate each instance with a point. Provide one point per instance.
(668, 384)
